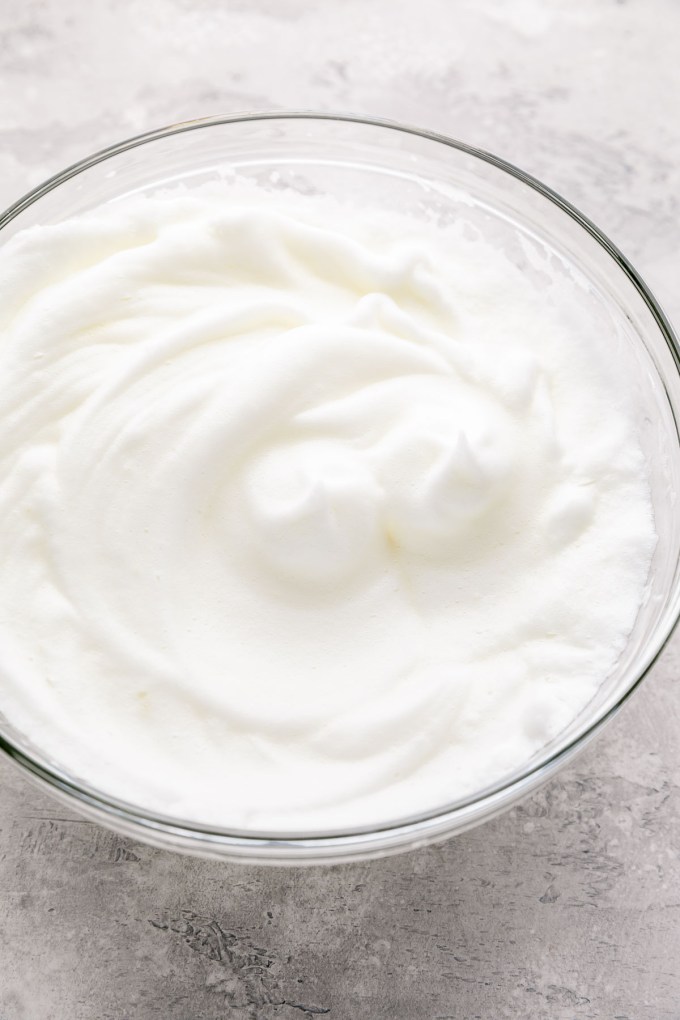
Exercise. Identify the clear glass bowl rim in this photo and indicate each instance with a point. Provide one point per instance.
(362, 841)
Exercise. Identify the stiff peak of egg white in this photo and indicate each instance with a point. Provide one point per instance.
(304, 523)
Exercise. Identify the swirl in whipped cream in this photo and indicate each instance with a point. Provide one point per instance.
(304, 526)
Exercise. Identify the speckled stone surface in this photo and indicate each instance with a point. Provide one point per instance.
(566, 908)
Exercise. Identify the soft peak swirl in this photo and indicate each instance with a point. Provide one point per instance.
(301, 515)
(314, 510)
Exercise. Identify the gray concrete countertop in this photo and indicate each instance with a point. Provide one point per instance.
(566, 908)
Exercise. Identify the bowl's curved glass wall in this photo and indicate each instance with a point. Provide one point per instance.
(424, 176)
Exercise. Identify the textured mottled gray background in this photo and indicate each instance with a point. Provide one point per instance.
(569, 906)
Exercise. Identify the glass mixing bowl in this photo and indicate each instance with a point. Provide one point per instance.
(395, 167)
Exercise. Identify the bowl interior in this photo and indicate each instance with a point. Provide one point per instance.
(383, 166)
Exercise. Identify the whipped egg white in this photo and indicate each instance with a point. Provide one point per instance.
(311, 517)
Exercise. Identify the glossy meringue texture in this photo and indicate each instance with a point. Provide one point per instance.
(326, 517)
